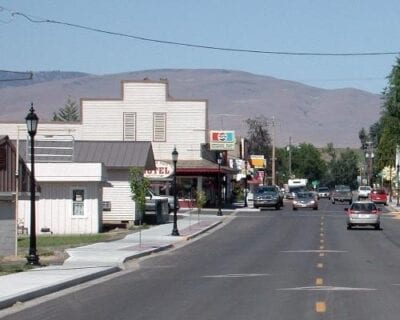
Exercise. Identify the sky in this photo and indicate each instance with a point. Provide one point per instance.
(253, 28)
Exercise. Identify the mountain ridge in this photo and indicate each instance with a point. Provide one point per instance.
(305, 113)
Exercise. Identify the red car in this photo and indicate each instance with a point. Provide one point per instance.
(378, 196)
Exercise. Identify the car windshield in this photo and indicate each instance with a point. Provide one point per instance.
(365, 188)
(342, 189)
(266, 190)
(363, 206)
(304, 195)
(323, 189)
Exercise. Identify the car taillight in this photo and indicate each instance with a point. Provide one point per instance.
(374, 211)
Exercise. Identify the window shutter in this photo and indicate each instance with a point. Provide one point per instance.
(129, 126)
(159, 126)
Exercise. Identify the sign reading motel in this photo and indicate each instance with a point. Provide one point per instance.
(222, 140)
(163, 170)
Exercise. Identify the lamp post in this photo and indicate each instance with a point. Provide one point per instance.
(369, 155)
(31, 124)
(245, 184)
(219, 160)
(397, 184)
(175, 231)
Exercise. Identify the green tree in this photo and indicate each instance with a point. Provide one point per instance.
(259, 141)
(69, 113)
(307, 162)
(330, 151)
(344, 170)
(363, 136)
(388, 127)
(139, 186)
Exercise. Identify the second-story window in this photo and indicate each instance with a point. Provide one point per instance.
(129, 126)
(159, 126)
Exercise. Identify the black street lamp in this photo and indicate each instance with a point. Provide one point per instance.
(32, 121)
(397, 184)
(219, 160)
(175, 231)
(245, 184)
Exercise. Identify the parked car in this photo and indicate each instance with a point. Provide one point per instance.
(378, 196)
(363, 213)
(323, 192)
(342, 193)
(267, 196)
(363, 192)
(151, 198)
(305, 200)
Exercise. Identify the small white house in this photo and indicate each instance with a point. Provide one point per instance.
(88, 191)
(70, 200)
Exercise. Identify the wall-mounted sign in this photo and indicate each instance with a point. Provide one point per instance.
(163, 170)
(222, 140)
(257, 162)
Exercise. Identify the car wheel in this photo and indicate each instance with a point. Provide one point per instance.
(350, 201)
(333, 201)
(349, 226)
(378, 226)
(294, 209)
(316, 208)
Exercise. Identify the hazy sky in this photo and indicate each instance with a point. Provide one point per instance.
(292, 26)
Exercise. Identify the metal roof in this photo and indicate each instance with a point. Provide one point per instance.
(113, 154)
(116, 154)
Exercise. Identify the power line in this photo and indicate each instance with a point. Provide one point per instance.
(194, 45)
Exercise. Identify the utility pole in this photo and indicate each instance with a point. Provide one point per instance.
(290, 157)
(273, 150)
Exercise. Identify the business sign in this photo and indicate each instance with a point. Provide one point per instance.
(257, 162)
(163, 170)
(222, 140)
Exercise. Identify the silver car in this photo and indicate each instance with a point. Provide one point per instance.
(305, 200)
(363, 213)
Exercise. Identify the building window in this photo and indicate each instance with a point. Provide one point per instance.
(78, 200)
(106, 205)
(159, 126)
(129, 126)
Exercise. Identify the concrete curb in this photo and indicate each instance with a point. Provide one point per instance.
(22, 297)
(84, 273)
(194, 235)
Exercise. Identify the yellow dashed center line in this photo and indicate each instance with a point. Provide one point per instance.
(320, 306)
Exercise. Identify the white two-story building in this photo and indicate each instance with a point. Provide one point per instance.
(144, 113)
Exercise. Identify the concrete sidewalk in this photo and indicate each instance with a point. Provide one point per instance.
(100, 259)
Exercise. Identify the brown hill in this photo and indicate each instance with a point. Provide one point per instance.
(307, 114)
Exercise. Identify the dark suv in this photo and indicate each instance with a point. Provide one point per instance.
(268, 196)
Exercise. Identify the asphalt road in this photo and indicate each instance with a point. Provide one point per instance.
(261, 265)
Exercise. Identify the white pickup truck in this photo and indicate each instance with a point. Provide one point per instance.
(151, 198)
